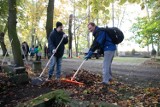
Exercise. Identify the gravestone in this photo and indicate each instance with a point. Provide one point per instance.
(37, 66)
(4, 63)
(17, 75)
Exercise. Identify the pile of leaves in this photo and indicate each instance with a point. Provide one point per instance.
(117, 93)
(4, 81)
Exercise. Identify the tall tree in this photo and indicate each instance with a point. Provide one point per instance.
(146, 30)
(70, 35)
(2, 43)
(89, 18)
(147, 10)
(30, 14)
(3, 24)
(12, 33)
(49, 23)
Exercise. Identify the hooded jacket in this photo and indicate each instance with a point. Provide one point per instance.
(102, 40)
(53, 41)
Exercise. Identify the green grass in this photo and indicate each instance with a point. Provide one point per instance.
(129, 59)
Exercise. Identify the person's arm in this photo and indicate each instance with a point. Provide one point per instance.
(65, 41)
(50, 42)
(98, 42)
(27, 48)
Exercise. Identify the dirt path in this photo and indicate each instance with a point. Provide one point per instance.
(135, 74)
(117, 68)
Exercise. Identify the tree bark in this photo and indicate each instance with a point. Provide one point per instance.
(49, 23)
(158, 49)
(3, 46)
(12, 33)
(70, 35)
(33, 36)
(88, 36)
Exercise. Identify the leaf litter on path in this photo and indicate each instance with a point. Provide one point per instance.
(117, 93)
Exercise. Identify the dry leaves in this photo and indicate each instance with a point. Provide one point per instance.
(116, 93)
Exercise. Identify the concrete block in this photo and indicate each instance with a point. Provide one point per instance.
(37, 66)
(19, 78)
(11, 70)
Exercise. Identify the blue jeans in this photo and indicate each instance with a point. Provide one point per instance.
(58, 62)
(107, 74)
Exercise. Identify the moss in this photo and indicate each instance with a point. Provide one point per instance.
(58, 97)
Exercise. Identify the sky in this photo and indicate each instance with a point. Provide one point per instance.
(133, 11)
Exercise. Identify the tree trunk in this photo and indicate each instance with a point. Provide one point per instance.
(88, 36)
(70, 35)
(32, 36)
(147, 10)
(158, 49)
(113, 14)
(49, 23)
(12, 33)
(116, 53)
(75, 38)
(3, 46)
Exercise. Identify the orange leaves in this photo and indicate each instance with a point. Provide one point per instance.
(124, 103)
(117, 93)
(112, 90)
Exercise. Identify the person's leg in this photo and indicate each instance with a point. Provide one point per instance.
(108, 57)
(27, 57)
(36, 57)
(110, 70)
(59, 63)
(45, 54)
(51, 67)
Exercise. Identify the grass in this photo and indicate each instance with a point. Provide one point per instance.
(121, 59)
(129, 59)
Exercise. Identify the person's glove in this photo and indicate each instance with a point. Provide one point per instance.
(54, 51)
(64, 35)
(88, 55)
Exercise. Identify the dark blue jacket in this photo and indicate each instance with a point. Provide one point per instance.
(53, 41)
(102, 40)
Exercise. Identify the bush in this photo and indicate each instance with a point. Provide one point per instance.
(133, 51)
(153, 52)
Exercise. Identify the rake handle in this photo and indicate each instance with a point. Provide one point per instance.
(77, 70)
(51, 58)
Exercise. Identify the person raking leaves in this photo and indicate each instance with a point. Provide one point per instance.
(103, 40)
(53, 41)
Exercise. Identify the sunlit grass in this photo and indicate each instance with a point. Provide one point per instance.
(129, 59)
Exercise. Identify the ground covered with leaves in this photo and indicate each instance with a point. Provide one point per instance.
(117, 93)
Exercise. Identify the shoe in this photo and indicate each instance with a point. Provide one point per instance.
(111, 82)
(105, 87)
(105, 84)
(49, 78)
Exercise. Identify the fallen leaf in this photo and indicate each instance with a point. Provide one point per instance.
(46, 99)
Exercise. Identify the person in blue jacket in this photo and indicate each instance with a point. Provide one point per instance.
(54, 39)
(102, 40)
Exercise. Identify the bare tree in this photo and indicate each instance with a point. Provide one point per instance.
(3, 46)
(49, 23)
(12, 33)
(70, 35)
